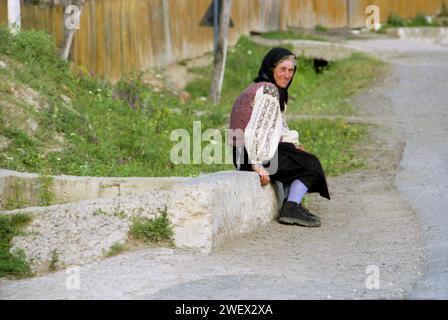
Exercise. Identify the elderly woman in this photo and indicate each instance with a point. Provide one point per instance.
(262, 141)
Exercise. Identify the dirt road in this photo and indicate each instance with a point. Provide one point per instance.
(417, 109)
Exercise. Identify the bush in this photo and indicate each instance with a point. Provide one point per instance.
(34, 47)
(12, 264)
(420, 20)
(152, 230)
(394, 20)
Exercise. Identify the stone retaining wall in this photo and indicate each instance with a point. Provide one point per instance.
(204, 212)
(26, 188)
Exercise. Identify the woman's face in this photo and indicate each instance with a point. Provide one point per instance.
(283, 73)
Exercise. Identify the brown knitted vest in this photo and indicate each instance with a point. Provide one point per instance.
(242, 111)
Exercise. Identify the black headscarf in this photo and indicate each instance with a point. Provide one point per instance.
(266, 73)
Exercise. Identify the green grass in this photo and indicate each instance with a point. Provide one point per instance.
(109, 130)
(292, 35)
(310, 93)
(12, 265)
(53, 266)
(394, 20)
(124, 129)
(46, 196)
(116, 213)
(151, 230)
(332, 141)
(320, 28)
(328, 93)
(116, 249)
(15, 198)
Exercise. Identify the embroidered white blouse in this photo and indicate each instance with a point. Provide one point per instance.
(267, 126)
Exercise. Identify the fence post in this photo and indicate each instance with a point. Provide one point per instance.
(71, 24)
(221, 52)
(14, 16)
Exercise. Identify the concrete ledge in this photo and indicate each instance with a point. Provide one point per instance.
(431, 34)
(66, 189)
(208, 210)
(204, 212)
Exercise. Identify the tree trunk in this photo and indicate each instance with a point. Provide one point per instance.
(14, 16)
(221, 51)
(72, 16)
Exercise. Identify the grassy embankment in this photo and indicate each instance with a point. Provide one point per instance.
(124, 129)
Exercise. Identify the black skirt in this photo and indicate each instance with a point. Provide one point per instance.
(287, 165)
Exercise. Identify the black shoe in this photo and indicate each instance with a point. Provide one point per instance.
(308, 213)
(305, 211)
(292, 213)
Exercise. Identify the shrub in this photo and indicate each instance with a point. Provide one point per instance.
(13, 265)
(152, 230)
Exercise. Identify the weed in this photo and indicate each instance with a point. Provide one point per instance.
(100, 212)
(54, 260)
(420, 20)
(121, 214)
(13, 264)
(394, 20)
(46, 196)
(151, 230)
(15, 198)
(320, 28)
(115, 249)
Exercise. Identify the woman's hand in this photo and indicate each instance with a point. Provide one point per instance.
(264, 175)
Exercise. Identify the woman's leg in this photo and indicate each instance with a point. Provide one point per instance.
(294, 164)
(296, 191)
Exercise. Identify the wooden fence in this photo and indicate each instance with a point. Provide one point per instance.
(118, 36)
